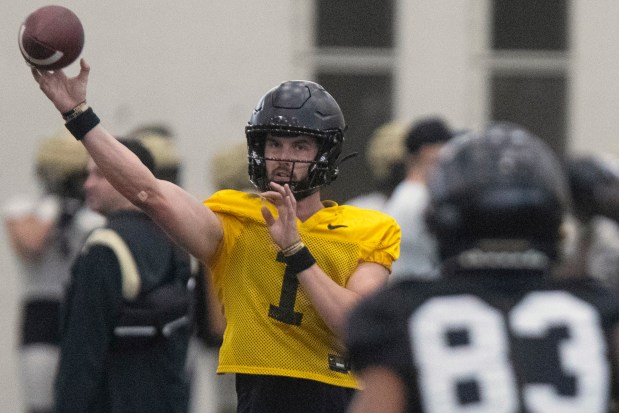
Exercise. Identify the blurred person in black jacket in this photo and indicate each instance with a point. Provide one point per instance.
(46, 232)
(127, 317)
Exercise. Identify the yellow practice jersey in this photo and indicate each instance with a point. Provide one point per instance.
(272, 328)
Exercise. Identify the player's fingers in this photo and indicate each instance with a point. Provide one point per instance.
(268, 217)
(289, 213)
(60, 74)
(273, 197)
(290, 195)
(84, 70)
(289, 204)
(279, 188)
(36, 74)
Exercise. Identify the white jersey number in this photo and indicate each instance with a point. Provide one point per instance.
(462, 350)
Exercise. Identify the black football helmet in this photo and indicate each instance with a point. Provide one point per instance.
(504, 184)
(594, 185)
(294, 108)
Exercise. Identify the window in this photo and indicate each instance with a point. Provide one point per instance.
(354, 61)
(355, 23)
(365, 100)
(530, 25)
(528, 67)
(534, 100)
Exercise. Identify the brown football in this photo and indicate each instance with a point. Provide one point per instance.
(51, 38)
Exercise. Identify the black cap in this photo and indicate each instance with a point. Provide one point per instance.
(427, 132)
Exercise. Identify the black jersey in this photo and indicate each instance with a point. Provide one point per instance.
(493, 343)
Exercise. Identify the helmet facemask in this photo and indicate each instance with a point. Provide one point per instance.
(322, 170)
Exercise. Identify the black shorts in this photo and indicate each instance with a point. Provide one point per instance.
(277, 394)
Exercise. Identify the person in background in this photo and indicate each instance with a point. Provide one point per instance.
(594, 246)
(46, 233)
(229, 168)
(497, 332)
(160, 142)
(418, 254)
(126, 321)
(287, 265)
(385, 157)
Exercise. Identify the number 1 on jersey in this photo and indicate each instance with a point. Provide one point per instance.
(288, 296)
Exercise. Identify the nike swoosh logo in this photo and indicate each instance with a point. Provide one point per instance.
(336, 226)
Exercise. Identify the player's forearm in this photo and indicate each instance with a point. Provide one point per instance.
(121, 167)
(173, 209)
(331, 301)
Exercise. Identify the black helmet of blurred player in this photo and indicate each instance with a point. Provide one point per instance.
(292, 109)
(498, 199)
(594, 185)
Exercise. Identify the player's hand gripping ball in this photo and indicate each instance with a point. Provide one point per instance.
(51, 38)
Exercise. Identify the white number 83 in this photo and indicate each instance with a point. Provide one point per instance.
(484, 358)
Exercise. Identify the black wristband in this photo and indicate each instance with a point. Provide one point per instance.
(300, 261)
(82, 124)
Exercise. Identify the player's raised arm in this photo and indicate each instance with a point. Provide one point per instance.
(181, 215)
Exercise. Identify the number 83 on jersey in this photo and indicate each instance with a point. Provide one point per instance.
(469, 355)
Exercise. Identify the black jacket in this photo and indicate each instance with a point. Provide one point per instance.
(94, 374)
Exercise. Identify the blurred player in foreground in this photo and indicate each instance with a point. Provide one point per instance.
(287, 266)
(497, 334)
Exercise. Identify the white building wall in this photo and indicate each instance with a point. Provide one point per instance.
(594, 106)
(442, 65)
(436, 51)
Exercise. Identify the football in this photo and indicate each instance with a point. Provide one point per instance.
(51, 38)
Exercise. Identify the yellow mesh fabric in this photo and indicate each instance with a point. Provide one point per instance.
(250, 282)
